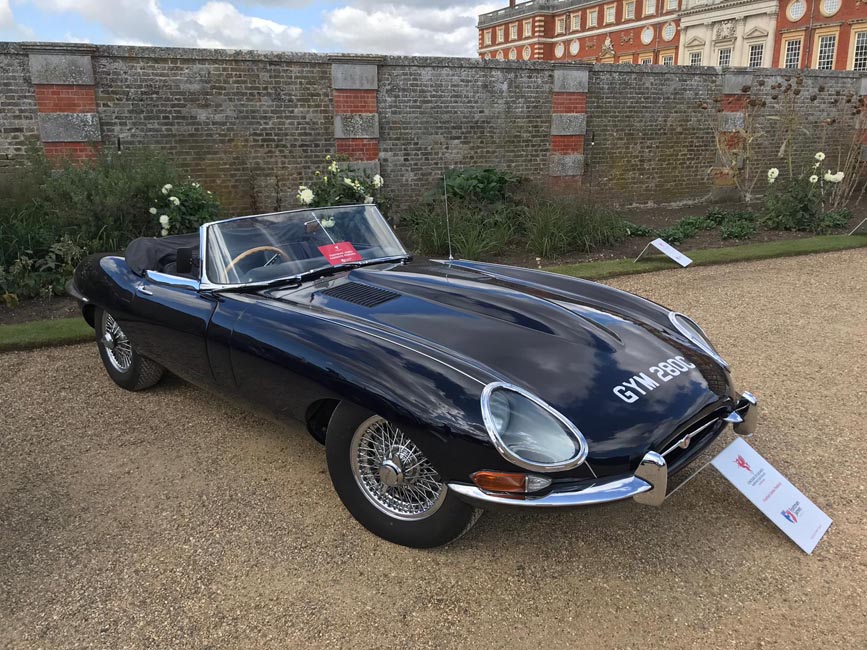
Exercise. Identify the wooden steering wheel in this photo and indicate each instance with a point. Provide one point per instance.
(251, 251)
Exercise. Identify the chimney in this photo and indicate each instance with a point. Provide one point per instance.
(512, 3)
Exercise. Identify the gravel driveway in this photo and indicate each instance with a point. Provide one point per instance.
(167, 519)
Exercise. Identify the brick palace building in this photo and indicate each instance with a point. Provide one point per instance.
(818, 34)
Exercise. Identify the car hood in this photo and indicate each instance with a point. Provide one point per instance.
(570, 342)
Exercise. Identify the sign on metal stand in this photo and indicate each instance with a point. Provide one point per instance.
(668, 250)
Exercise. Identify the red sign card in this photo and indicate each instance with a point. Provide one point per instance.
(340, 253)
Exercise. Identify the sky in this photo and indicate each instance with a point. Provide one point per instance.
(420, 27)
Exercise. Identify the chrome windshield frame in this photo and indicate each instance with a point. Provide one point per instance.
(206, 284)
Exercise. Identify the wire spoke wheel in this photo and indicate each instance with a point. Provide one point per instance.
(116, 344)
(393, 473)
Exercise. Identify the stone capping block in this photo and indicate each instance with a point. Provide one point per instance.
(733, 82)
(863, 88)
(356, 125)
(568, 124)
(570, 80)
(69, 127)
(67, 69)
(368, 167)
(570, 165)
(731, 121)
(354, 76)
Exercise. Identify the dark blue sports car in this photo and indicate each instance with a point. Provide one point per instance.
(438, 387)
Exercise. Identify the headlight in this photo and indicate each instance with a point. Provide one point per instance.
(690, 329)
(528, 432)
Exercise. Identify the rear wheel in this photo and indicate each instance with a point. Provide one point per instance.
(127, 368)
(389, 485)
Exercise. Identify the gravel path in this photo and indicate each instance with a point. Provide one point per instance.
(166, 519)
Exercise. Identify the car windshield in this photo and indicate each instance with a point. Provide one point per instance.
(271, 247)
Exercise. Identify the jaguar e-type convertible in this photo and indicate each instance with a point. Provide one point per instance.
(438, 387)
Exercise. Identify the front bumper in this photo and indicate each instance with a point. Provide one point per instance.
(649, 484)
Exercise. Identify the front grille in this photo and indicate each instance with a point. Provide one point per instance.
(360, 294)
(703, 432)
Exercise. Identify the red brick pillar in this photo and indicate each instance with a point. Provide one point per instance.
(732, 120)
(356, 120)
(568, 121)
(63, 82)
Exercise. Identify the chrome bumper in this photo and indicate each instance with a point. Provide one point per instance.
(649, 484)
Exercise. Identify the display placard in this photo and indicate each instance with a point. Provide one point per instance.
(668, 250)
(780, 501)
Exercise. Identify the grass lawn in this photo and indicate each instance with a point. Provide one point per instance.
(64, 331)
(705, 257)
(42, 333)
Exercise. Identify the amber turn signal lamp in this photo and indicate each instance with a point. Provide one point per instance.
(509, 482)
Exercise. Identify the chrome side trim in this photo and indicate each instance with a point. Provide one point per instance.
(512, 457)
(170, 280)
(617, 490)
(748, 411)
(683, 443)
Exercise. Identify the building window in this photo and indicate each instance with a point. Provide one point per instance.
(725, 57)
(528, 28)
(757, 55)
(610, 14)
(625, 59)
(559, 50)
(826, 51)
(796, 10)
(513, 54)
(574, 47)
(793, 54)
(695, 58)
(629, 10)
(668, 31)
(671, 5)
(829, 8)
(859, 62)
(576, 22)
(487, 37)
(561, 25)
(647, 60)
(647, 35)
(668, 59)
(513, 32)
(501, 34)
(649, 7)
(592, 18)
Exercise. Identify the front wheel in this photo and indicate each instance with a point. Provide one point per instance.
(127, 368)
(389, 485)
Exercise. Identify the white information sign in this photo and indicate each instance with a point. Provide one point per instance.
(771, 492)
(667, 249)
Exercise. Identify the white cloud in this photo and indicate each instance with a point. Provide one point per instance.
(7, 20)
(9, 28)
(449, 30)
(214, 24)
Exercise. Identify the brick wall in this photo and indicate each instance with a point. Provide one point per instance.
(252, 126)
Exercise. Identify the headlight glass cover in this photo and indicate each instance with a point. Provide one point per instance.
(528, 432)
(691, 330)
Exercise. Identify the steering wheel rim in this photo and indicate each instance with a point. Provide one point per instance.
(251, 251)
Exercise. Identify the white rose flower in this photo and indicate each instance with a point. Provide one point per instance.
(166, 188)
(820, 156)
(327, 222)
(773, 172)
(349, 182)
(174, 200)
(164, 232)
(814, 178)
(829, 177)
(838, 177)
(164, 220)
(368, 199)
(153, 210)
(305, 196)
(377, 181)
(334, 167)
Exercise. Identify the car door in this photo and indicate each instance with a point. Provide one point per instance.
(169, 324)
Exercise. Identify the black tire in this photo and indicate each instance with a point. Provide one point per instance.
(443, 523)
(133, 371)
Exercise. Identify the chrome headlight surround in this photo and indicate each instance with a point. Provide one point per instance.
(691, 330)
(494, 422)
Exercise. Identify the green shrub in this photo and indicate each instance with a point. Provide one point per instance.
(338, 184)
(52, 217)
(476, 184)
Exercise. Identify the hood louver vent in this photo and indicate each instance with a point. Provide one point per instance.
(360, 294)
